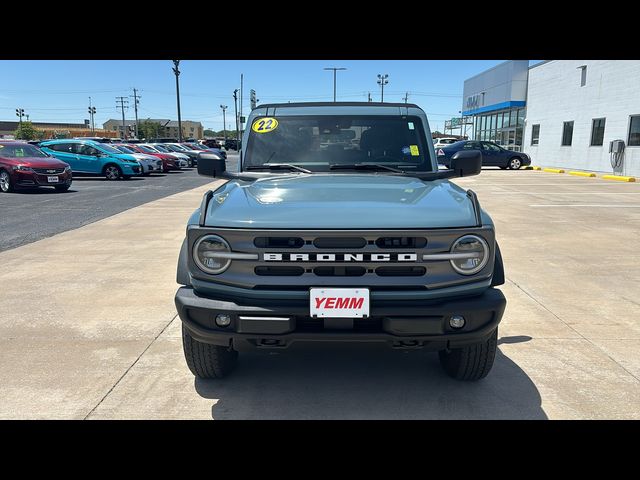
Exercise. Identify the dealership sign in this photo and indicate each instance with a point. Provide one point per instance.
(473, 102)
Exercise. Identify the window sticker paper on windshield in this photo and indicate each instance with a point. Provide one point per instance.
(406, 150)
(414, 150)
(264, 125)
(411, 127)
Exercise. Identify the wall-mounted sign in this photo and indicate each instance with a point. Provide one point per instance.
(473, 101)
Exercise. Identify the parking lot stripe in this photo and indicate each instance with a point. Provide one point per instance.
(583, 205)
(566, 193)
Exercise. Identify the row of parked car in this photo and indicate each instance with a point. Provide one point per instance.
(52, 163)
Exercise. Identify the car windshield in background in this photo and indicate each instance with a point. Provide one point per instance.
(20, 150)
(108, 148)
(146, 149)
(319, 142)
(124, 149)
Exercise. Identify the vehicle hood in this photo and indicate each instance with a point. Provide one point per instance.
(340, 201)
(36, 162)
(125, 156)
(143, 156)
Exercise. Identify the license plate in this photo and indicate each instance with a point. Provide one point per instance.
(52, 179)
(339, 302)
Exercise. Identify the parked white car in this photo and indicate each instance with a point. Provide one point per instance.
(148, 163)
(443, 142)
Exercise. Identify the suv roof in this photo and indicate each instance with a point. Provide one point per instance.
(341, 104)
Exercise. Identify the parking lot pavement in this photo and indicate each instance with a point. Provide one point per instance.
(100, 339)
(29, 215)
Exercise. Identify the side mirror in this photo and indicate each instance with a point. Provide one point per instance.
(466, 163)
(211, 165)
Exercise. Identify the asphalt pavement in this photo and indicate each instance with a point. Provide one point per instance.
(33, 214)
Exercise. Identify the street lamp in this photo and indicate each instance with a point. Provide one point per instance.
(382, 81)
(334, 78)
(235, 104)
(177, 73)
(20, 113)
(224, 124)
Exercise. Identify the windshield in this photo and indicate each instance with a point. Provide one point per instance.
(317, 142)
(162, 148)
(173, 148)
(146, 149)
(20, 150)
(107, 148)
(124, 149)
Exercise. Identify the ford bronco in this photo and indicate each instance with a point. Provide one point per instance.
(338, 226)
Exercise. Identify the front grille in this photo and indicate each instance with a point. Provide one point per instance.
(364, 325)
(401, 242)
(49, 171)
(339, 242)
(400, 271)
(278, 242)
(284, 271)
(339, 271)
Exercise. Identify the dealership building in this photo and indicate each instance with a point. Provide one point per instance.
(563, 113)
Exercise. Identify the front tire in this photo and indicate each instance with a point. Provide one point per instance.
(206, 360)
(514, 163)
(5, 182)
(471, 362)
(112, 172)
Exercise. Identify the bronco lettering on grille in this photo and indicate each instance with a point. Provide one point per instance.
(340, 257)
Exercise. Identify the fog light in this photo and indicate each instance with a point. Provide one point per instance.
(457, 321)
(223, 320)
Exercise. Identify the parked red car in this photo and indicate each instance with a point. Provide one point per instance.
(25, 165)
(168, 161)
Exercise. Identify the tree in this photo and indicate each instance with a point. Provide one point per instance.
(26, 131)
(148, 129)
(209, 133)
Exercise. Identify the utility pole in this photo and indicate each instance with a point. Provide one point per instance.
(224, 123)
(177, 72)
(406, 97)
(92, 112)
(123, 105)
(369, 97)
(382, 81)
(334, 78)
(235, 103)
(136, 101)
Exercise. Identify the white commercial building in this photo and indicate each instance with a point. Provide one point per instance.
(567, 114)
(575, 108)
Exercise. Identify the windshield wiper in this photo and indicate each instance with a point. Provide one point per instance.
(365, 166)
(277, 166)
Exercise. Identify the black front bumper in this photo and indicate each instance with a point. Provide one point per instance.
(401, 324)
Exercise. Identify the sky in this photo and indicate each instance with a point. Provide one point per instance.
(59, 90)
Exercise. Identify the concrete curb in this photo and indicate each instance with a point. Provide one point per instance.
(619, 178)
(583, 174)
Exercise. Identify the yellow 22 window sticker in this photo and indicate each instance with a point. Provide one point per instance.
(264, 125)
(414, 150)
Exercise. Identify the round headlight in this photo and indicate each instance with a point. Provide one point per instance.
(205, 253)
(475, 254)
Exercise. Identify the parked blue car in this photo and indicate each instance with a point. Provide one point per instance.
(88, 156)
(493, 155)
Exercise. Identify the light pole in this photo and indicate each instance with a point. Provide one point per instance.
(335, 69)
(224, 123)
(20, 113)
(235, 104)
(177, 72)
(382, 81)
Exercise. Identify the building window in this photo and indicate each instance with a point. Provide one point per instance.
(597, 132)
(567, 134)
(634, 131)
(583, 75)
(535, 134)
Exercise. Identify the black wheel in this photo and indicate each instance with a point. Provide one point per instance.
(112, 172)
(190, 163)
(62, 188)
(205, 360)
(471, 362)
(514, 163)
(5, 182)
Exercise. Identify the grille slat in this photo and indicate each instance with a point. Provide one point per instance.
(49, 171)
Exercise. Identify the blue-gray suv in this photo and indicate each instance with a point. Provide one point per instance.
(338, 226)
